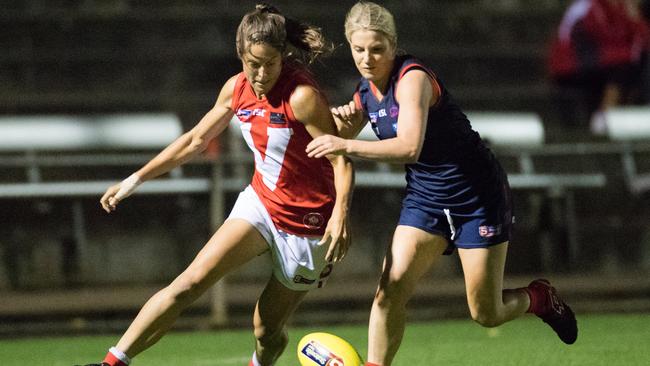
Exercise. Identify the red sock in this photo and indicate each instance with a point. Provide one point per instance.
(371, 364)
(536, 302)
(111, 360)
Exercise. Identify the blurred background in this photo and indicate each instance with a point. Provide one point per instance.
(76, 74)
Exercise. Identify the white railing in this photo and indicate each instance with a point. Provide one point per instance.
(230, 172)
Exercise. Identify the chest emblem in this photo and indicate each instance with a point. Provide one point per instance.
(278, 118)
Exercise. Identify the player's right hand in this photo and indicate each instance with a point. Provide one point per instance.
(116, 193)
(347, 115)
(109, 201)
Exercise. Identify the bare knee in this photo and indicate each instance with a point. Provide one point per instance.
(486, 315)
(269, 337)
(392, 293)
(186, 288)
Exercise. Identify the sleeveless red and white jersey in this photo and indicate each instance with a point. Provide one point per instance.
(297, 191)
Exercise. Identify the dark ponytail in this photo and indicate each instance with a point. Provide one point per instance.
(296, 40)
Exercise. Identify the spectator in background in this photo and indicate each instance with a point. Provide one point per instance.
(645, 92)
(599, 53)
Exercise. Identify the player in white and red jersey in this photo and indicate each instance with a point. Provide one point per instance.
(295, 207)
(297, 192)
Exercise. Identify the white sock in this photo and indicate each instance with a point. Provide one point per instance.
(255, 361)
(120, 355)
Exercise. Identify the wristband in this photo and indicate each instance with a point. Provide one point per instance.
(128, 186)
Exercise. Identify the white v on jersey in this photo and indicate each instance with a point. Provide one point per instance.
(297, 191)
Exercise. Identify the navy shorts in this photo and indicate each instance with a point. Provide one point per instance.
(481, 222)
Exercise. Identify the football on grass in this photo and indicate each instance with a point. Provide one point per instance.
(324, 349)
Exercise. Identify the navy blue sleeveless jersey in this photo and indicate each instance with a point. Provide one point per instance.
(457, 188)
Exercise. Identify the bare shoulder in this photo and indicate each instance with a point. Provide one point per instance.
(304, 94)
(417, 85)
(306, 101)
(227, 91)
(229, 86)
(414, 78)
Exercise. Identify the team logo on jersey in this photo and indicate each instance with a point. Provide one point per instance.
(394, 111)
(278, 118)
(373, 117)
(313, 220)
(489, 231)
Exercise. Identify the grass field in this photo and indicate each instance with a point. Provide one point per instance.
(603, 340)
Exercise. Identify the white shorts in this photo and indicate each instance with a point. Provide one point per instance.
(298, 261)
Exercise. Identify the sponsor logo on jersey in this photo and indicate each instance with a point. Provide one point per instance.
(489, 231)
(382, 112)
(244, 114)
(321, 355)
(373, 117)
(278, 118)
(259, 112)
(313, 220)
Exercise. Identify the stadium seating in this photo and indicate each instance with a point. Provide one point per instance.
(40, 142)
(631, 126)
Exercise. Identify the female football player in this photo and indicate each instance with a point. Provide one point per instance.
(295, 207)
(457, 194)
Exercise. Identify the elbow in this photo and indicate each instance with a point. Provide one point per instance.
(411, 155)
(196, 144)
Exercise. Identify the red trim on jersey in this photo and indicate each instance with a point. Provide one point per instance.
(373, 89)
(357, 99)
(241, 78)
(432, 76)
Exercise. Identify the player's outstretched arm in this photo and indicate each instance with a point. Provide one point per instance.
(182, 150)
(311, 109)
(415, 95)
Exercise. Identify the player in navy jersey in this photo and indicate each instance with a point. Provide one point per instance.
(295, 207)
(457, 194)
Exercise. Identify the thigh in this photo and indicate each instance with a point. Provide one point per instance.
(235, 243)
(483, 269)
(412, 252)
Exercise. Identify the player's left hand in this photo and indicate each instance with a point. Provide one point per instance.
(326, 144)
(337, 237)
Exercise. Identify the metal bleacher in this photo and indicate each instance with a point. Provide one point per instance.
(35, 143)
(630, 126)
